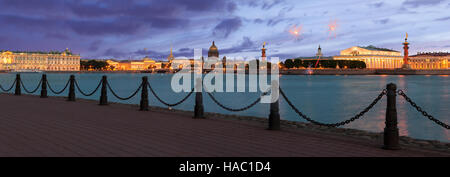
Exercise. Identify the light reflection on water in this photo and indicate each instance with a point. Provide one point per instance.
(328, 99)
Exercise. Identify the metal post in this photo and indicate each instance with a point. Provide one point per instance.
(103, 96)
(198, 108)
(274, 116)
(18, 90)
(144, 95)
(71, 96)
(391, 130)
(44, 86)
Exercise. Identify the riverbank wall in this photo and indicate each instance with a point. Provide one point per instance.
(363, 72)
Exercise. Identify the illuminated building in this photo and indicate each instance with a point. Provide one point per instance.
(374, 57)
(430, 60)
(134, 65)
(43, 61)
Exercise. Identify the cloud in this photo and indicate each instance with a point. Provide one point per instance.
(376, 5)
(258, 20)
(227, 26)
(418, 3)
(246, 45)
(382, 21)
(443, 19)
(92, 28)
(269, 5)
(95, 45)
(116, 53)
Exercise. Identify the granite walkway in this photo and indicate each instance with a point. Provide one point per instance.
(32, 126)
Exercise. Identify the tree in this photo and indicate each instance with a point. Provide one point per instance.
(289, 63)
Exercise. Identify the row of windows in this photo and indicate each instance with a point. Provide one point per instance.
(45, 62)
(64, 59)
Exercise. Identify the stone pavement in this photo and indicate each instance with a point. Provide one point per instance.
(33, 126)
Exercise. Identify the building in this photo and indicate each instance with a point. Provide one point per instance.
(132, 65)
(43, 61)
(430, 60)
(374, 57)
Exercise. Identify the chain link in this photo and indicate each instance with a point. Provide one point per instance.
(123, 98)
(357, 116)
(168, 104)
(424, 113)
(62, 90)
(34, 90)
(233, 109)
(87, 94)
(7, 90)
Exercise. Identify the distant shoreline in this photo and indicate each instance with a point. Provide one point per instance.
(300, 72)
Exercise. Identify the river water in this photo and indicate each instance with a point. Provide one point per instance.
(323, 98)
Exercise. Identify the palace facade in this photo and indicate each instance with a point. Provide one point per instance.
(42, 61)
(133, 65)
(374, 57)
(430, 60)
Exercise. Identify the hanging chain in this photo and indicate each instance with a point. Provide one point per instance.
(357, 116)
(424, 113)
(62, 90)
(87, 94)
(34, 90)
(168, 104)
(10, 88)
(123, 98)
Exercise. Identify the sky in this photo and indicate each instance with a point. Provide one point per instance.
(132, 29)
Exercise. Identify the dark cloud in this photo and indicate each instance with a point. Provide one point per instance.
(95, 45)
(376, 5)
(258, 20)
(382, 21)
(269, 5)
(116, 53)
(246, 45)
(118, 27)
(417, 3)
(184, 49)
(275, 21)
(443, 19)
(227, 26)
(57, 35)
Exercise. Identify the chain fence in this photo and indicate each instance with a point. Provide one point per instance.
(235, 109)
(57, 92)
(168, 104)
(123, 98)
(424, 113)
(34, 90)
(10, 88)
(87, 94)
(357, 116)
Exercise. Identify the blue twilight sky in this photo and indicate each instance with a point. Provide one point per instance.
(126, 29)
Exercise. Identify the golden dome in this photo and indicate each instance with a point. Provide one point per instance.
(213, 51)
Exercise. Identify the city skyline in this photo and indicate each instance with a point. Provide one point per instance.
(134, 29)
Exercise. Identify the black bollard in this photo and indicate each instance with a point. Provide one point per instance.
(391, 130)
(71, 96)
(18, 91)
(144, 95)
(103, 96)
(274, 116)
(198, 108)
(44, 86)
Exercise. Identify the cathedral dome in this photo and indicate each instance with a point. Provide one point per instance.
(213, 51)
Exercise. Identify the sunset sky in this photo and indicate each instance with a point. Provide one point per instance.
(124, 29)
